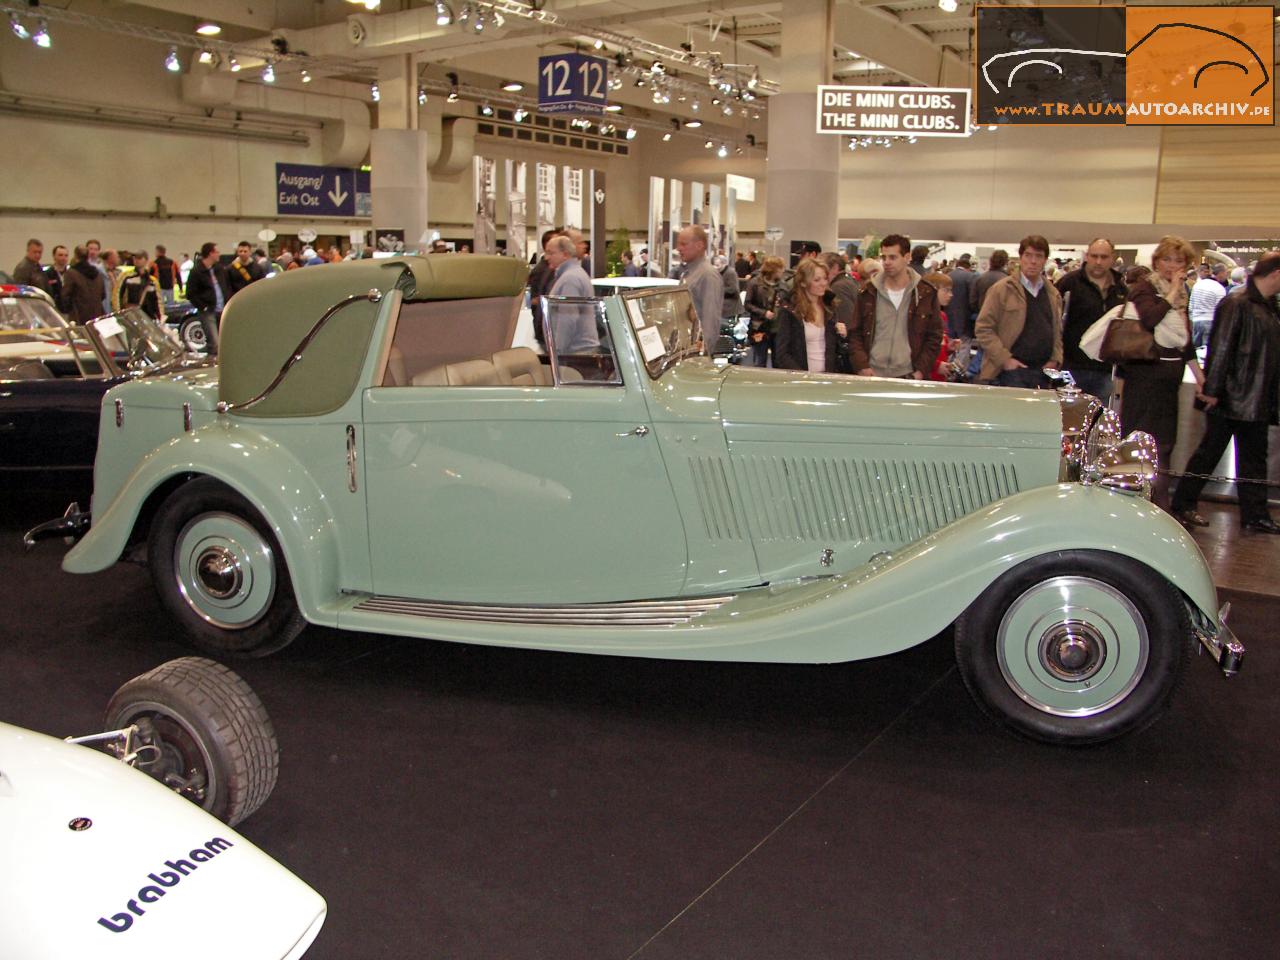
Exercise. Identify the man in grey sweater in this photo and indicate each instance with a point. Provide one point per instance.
(703, 281)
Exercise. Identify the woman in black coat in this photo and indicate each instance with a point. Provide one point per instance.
(808, 334)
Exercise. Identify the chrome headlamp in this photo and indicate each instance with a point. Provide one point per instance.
(1094, 452)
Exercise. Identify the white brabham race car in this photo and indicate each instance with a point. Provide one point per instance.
(104, 861)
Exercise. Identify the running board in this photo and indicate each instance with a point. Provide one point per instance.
(634, 613)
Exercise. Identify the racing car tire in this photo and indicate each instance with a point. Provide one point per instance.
(1074, 647)
(203, 531)
(205, 723)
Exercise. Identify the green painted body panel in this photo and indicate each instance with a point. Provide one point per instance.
(547, 495)
(264, 323)
(876, 609)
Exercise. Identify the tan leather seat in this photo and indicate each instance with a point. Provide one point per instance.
(523, 367)
(435, 377)
(397, 375)
(476, 373)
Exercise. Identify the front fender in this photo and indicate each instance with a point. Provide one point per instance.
(887, 607)
(257, 468)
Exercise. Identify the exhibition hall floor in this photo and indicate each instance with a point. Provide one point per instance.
(462, 802)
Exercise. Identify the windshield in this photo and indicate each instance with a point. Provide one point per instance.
(666, 326)
(27, 314)
(135, 341)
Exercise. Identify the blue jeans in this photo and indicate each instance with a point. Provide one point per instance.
(1095, 382)
(1029, 378)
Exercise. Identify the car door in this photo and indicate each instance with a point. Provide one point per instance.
(485, 490)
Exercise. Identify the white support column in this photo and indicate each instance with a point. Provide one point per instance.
(398, 153)
(803, 165)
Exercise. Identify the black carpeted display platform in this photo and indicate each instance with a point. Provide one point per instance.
(469, 802)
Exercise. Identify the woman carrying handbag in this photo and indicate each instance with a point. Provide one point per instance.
(1149, 401)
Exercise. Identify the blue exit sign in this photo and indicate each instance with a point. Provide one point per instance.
(572, 83)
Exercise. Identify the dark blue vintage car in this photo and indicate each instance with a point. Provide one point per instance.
(53, 376)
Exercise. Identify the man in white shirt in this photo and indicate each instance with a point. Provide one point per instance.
(1205, 296)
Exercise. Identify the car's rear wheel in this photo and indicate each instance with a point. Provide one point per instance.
(1074, 647)
(221, 573)
(193, 336)
(203, 733)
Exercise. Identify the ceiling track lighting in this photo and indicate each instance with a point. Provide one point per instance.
(205, 56)
(444, 14)
(207, 28)
(722, 152)
(513, 86)
(422, 96)
(233, 65)
(41, 36)
(486, 109)
(171, 62)
(269, 73)
(947, 6)
(631, 133)
(374, 93)
(693, 124)
(520, 115)
(306, 76)
(19, 31)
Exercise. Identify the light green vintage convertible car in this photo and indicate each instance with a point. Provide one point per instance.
(372, 454)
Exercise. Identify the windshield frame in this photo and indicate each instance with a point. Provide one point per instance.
(635, 303)
(151, 346)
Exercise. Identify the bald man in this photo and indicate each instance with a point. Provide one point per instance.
(703, 281)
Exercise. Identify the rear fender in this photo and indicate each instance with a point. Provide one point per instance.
(261, 471)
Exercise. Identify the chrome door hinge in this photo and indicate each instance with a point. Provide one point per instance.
(351, 458)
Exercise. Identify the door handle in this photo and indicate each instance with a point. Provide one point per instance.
(640, 431)
(351, 458)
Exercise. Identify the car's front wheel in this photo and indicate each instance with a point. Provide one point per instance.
(1074, 647)
(220, 572)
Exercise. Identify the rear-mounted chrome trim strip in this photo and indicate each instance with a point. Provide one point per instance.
(636, 613)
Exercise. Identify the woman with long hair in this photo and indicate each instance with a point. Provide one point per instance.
(1149, 399)
(761, 302)
(808, 333)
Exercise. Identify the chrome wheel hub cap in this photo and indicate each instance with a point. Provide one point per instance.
(225, 570)
(1072, 646)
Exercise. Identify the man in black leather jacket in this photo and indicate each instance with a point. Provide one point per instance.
(1242, 394)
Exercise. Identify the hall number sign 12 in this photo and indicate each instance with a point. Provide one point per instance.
(572, 83)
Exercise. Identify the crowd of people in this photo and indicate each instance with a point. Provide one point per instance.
(87, 281)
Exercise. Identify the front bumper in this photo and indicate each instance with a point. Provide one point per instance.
(1222, 643)
(71, 526)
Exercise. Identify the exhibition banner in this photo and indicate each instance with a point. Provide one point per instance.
(597, 231)
(572, 198)
(486, 194)
(1135, 65)
(893, 111)
(545, 211)
(517, 212)
(657, 228)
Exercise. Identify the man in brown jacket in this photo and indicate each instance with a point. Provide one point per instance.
(1020, 324)
(897, 326)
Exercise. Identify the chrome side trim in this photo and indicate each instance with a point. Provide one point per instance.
(637, 613)
(373, 296)
(1222, 643)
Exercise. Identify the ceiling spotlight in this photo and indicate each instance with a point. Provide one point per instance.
(465, 13)
(306, 77)
(19, 31)
(656, 67)
(41, 37)
(444, 15)
(631, 133)
(269, 73)
(520, 115)
(666, 136)
(947, 6)
(693, 124)
(207, 28)
(233, 65)
(206, 57)
(722, 152)
(599, 44)
(709, 144)
(754, 79)
(486, 109)
(453, 96)
(422, 96)
(374, 94)
(497, 18)
(992, 128)
(727, 109)
(477, 21)
(513, 86)
(171, 62)
(695, 106)
(613, 108)
(453, 83)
